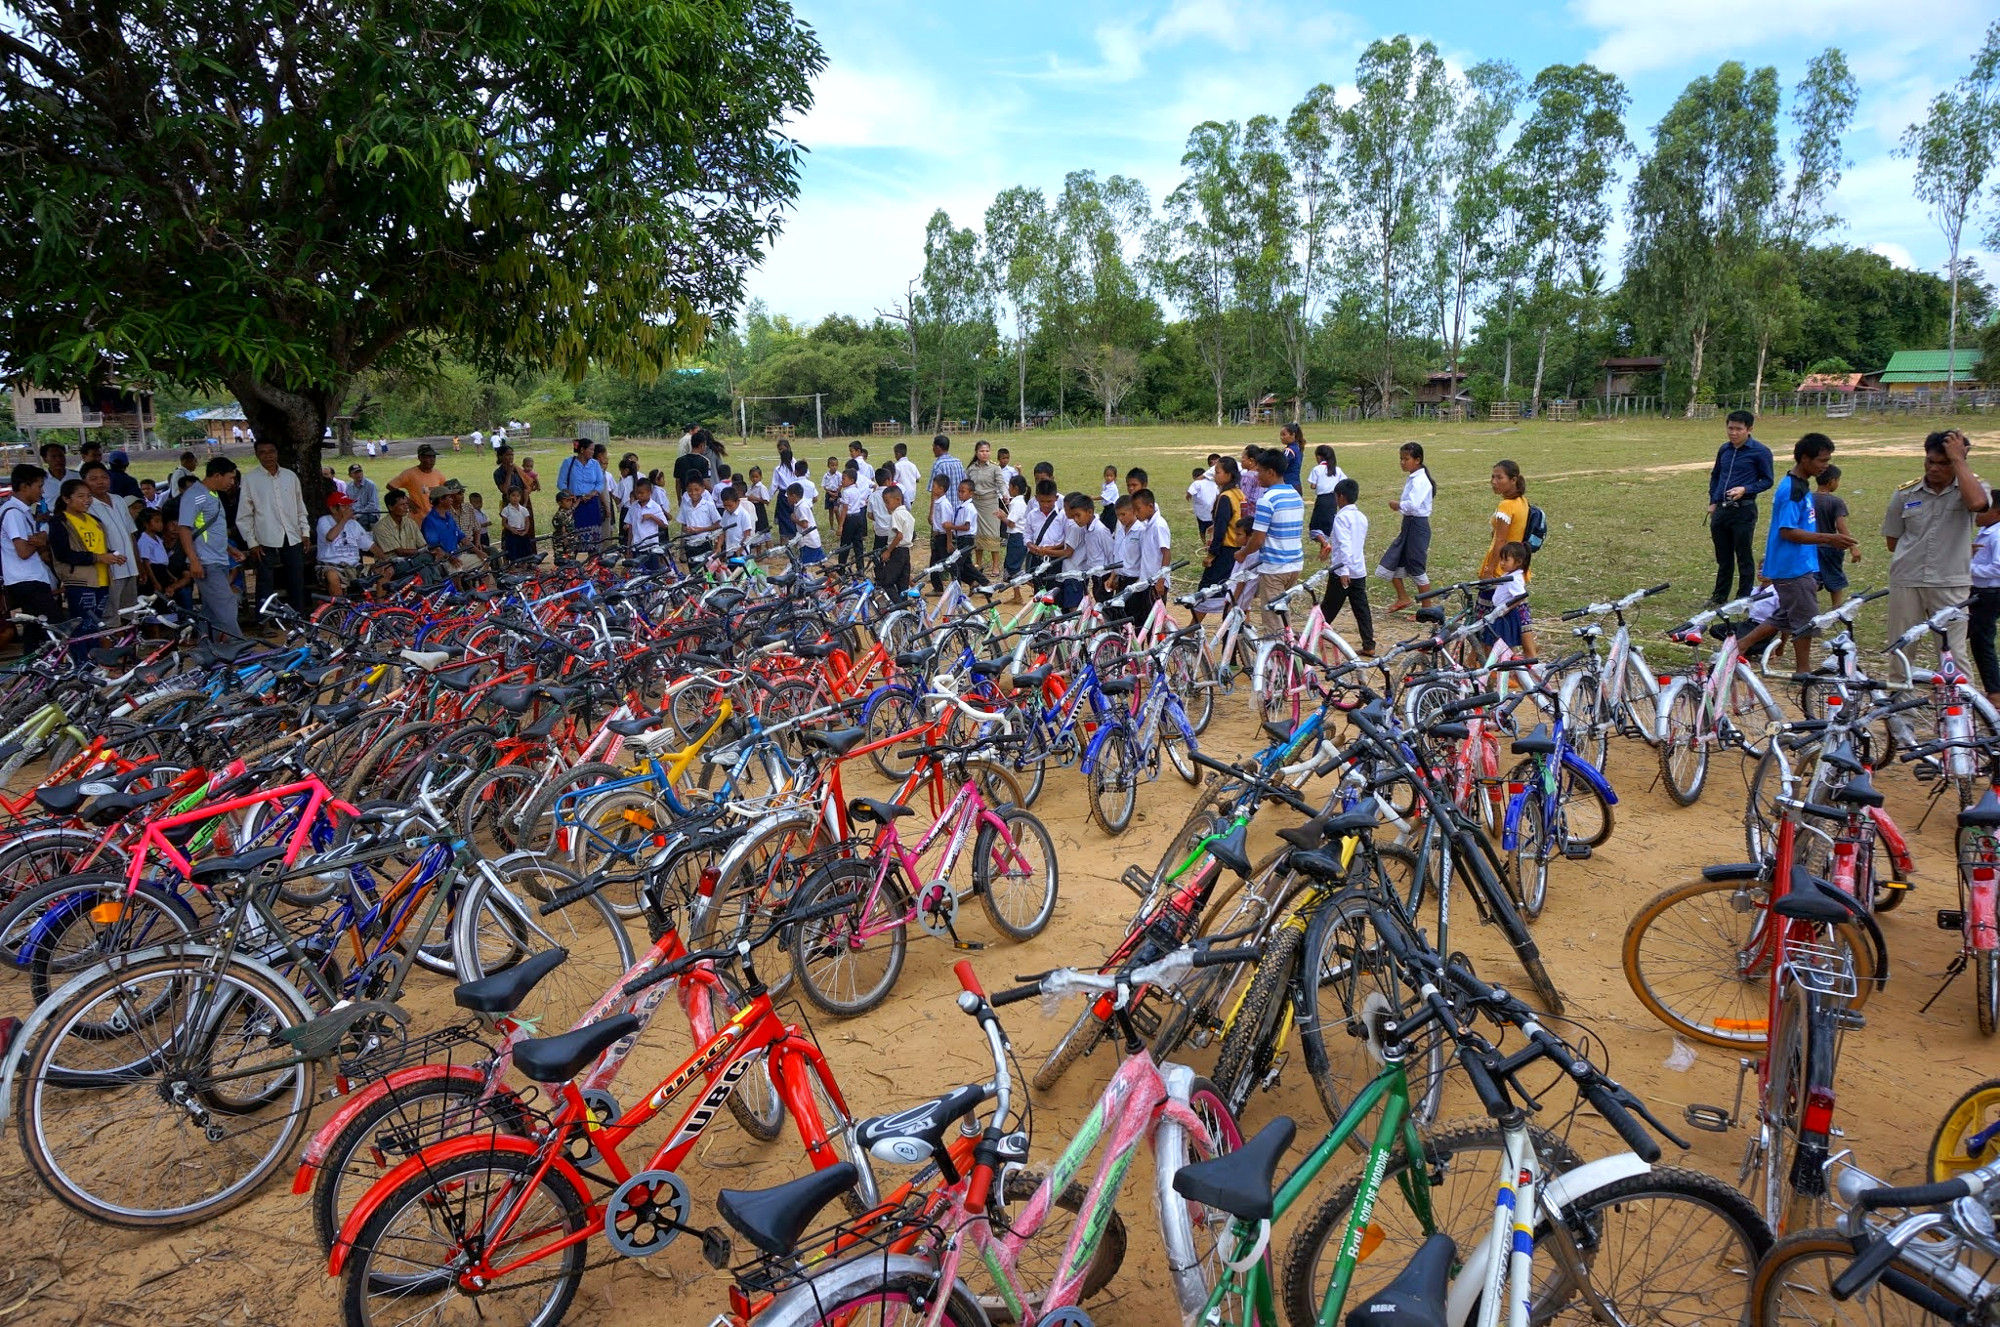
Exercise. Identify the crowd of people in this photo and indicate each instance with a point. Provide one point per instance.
(212, 537)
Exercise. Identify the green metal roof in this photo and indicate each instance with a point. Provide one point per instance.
(1929, 365)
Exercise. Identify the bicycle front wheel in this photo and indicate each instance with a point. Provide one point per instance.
(1794, 1288)
(848, 963)
(1683, 751)
(1113, 782)
(403, 1267)
(1976, 1111)
(206, 1103)
(1357, 986)
(499, 924)
(1016, 881)
(1195, 1235)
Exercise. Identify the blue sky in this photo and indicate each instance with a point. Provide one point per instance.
(943, 105)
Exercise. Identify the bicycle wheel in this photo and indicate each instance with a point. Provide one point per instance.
(1976, 1112)
(207, 1104)
(490, 811)
(848, 963)
(1081, 1039)
(614, 832)
(1016, 885)
(1113, 782)
(1668, 1246)
(1641, 701)
(548, 823)
(692, 706)
(902, 1300)
(1761, 811)
(1794, 1288)
(1464, 1162)
(1356, 986)
(1192, 678)
(73, 922)
(1750, 713)
(1536, 836)
(1388, 871)
(755, 1103)
(40, 856)
(1683, 753)
(391, 1130)
(401, 1268)
(1193, 1234)
(498, 924)
(897, 710)
(1588, 724)
(1248, 1041)
(1694, 955)
(1802, 1056)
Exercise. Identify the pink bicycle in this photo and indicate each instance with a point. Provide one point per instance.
(848, 963)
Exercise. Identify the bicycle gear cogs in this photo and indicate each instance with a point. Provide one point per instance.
(646, 1213)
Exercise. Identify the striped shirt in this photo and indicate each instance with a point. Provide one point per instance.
(1281, 515)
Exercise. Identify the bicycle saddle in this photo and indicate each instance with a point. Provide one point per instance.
(543, 726)
(839, 741)
(911, 1137)
(502, 992)
(1034, 678)
(63, 798)
(644, 723)
(1231, 853)
(1279, 730)
(817, 649)
(515, 700)
(1239, 1182)
(1858, 791)
(774, 1218)
(1318, 865)
(868, 808)
(1841, 757)
(1306, 837)
(557, 1059)
(915, 658)
(458, 679)
(1537, 743)
(340, 713)
(1811, 899)
(989, 667)
(1118, 686)
(110, 656)
(427, 660)
(221, 868)
(220, 651)
(1416, 1297)
(1358, 821)
(107, 809)
(1984, 814)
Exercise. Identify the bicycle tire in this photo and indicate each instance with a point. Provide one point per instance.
(1615, 1225)
(614, 831)
(1192, 676)
(1251, 1025)
(1587, 722)
(1986, 989)
(498, 924)
(1801, 1064)
(1464, 1211)
(1683, 759)
(49, 1085)
(54, 962)
(407, 1118)
(1345, 957)
(815, 944)
(1184, 1223)
(1031, 838)
(896, 710)
(1079, 1041)
(1976, 1110)
(538, 830)
(1794, 1288)
(1113, 782)
(444, 1195)
(490, 812)
(388, 759)
(904, 1297)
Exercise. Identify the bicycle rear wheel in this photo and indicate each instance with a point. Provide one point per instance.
(1794, 1288)
(1113, 782)
(1803, 1050)
(1017, 883)
(1683, 752)
(1356, 985)
(499, 924)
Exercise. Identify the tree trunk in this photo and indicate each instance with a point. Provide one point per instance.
(296, 422)
(1541, 361)
(1951, 328)
(1388, 343)
(1757, 388)
(1694, 367)
(1021, 359)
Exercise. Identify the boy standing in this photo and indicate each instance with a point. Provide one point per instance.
(892, 568)
(1347, 578)
(1791, 554)
(1830, 513)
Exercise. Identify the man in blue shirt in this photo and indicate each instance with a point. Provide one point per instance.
(1277, 534)
(1791, 554)
(1741, 471)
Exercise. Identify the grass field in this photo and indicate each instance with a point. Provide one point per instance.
(1626, 500)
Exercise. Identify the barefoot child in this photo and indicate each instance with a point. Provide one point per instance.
(1830, 513)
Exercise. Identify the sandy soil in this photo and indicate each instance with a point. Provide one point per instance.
(257, 1264)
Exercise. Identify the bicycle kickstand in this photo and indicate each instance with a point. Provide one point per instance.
(1714, 1119)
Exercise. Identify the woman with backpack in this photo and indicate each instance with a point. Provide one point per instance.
(1515, 524)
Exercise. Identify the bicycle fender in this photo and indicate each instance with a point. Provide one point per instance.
(46, 1010)
(1510, 832)
(797, 817)
(1666, 703)
(1590, 774)
(804, 1304)
(1097, 741)
(437, 1154)
(1892, 838)
(322, 1139)
(885, 689)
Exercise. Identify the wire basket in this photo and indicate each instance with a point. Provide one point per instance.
(1824, 969)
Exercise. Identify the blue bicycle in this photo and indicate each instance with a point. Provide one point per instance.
(1558, 805)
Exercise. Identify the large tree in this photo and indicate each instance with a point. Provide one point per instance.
(1195, 252)
(1475, 179)
(275, 195)
(1018, 235)
(1698, 205)
(1312, 148)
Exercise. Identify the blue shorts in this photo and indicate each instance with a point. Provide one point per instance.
(811, 556)
(1833, 569)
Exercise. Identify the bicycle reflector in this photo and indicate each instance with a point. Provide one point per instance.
(107, 912)
(1818, 1114)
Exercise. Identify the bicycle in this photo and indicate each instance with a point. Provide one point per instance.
(1722, 702)
(1617, 691)
(1558, 805)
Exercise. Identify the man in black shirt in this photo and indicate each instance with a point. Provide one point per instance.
(1741, 471)
(695, 465)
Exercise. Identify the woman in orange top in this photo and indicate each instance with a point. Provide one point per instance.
(1510, 515)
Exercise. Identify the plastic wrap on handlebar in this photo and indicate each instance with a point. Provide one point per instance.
(967, 978)
(1917, 1195)
(1613, 1110)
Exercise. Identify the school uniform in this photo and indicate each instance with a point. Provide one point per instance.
(1147, 547)
(1983, 611)
(1091, 550)
(1017, 536)
(1047, 529)
(1410, 553)
(1348, 540)
(1201, 497)
(1323, 481)
(807, 525)
(1509, 595)
(892, 572)
(853, 500)
(698, 522)
(1110, 494)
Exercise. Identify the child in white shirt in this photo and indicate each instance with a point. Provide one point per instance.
(1344, 546)
(1409, 556)
(1511, 593)
(807, 525)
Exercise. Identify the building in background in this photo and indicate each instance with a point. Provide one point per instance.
(126, 410)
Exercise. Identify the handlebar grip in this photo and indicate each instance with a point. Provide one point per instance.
(581, 890)
(1917, 1195)
(1492, 1097)
(1471, 703)
(1613, 1110)
(1865, 1270)
(967, 978)
(1209, 958)
(1014, 995)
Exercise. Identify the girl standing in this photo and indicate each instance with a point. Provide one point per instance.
(1409, 556)
(1325, 478)
(1224, 534)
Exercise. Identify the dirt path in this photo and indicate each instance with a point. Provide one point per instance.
(257, 1264)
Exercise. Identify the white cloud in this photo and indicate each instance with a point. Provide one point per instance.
(1895, 253)
(1669, 33)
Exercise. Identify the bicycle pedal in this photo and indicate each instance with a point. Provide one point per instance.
(715, 1247)
(1137, 879)
(1709, 1119)
(1577, 852)
(968, 946)
(1926, 771)
(1950, 919)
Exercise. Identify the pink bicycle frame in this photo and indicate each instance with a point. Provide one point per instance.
(965, 808)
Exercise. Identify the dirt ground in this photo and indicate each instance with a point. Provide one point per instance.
(258, 1264)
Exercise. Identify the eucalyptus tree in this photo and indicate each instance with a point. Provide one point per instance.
(1475, 180)
(953, 308)
(1194, 250)
(1312, 139)
(1018, 234)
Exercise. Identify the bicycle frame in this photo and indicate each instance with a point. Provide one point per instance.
(965, 809)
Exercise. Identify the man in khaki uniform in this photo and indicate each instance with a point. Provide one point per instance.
(1929, 528)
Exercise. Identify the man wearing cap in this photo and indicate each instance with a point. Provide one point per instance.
(443, 535)
(367, 498)
(122, 482)
(271, 515)
(342, 540)
(419, 480)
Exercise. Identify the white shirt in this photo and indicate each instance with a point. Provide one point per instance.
(1763, 603)
(1049, 529)
(1201, 494)
(516, 520)
(909, 480)
(1986, 557)
(1110, 492)
(647, 521)
(805, 522)
(120, 535)
(808, 491)
(478, 438)
(1350, 536)
(1125, 549)
(961, 518)
(1418, 493)
(1154, 543)
(17, 521)
(1090, 547)
(903, 522)
(343, 548)
(621, 489)
(1325, 481)
(152, 549)
(1008, 474)
(737, 527)
(878, 514)
(272, 512)
(1017, 515)
(854, 496)
(699, 520)
(1507, 591)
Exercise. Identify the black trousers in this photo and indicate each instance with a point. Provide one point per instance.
(1734, 532)
(1138, 604)
(892, 574)
(940, 550)
(36, 600)
(853, 529)
(1355, 596)
(284, 569)
(1982, 613)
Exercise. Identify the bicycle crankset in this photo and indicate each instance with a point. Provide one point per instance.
(646, 1213)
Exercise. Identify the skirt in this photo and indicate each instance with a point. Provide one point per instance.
(1017, 554)
(1322, 517)
(1410, 555)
